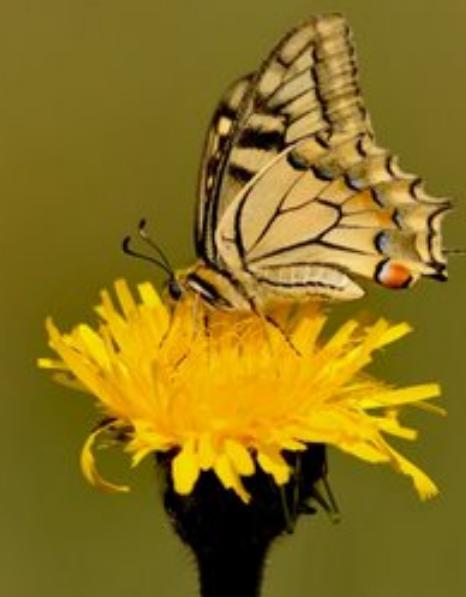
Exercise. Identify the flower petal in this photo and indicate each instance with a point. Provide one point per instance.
(240, 457)
(229, 477)
(185, 469)
(88, 466)
(273, 463)
(393, 334)
(424, 485)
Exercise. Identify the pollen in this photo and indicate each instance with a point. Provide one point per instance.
(231, 392)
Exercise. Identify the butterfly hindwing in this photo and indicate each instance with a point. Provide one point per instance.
(315, 216)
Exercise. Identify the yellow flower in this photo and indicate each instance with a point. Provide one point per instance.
(231, 392)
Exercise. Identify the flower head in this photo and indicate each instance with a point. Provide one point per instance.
(232, 392)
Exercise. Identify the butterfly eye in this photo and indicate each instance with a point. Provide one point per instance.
(393, 275)
(174, 289)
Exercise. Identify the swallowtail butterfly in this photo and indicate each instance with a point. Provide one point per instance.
(296, 199)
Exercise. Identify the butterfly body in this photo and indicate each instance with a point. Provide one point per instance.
(296, 199)
(248, 292)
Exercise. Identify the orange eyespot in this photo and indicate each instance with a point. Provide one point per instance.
(393, 275)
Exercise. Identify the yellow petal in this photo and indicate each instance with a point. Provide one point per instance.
(401, 396)
(139, 455)
(392, 426)
(273, 463)
(125, 297)
(431, 408)
(364, 451)
(288, 443)
(149, 296)
(240, 457)
(394, 333)
(185, 469)
(88, 466)
(66, 380)
(342, 335)
(94, 345)
(44, 363)
(424, 485)
(206, 452)
(307, 331)
(229, 478)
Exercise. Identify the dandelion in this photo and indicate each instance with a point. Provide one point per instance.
(231, 392)
(228, 399)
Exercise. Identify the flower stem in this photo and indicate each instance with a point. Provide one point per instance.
(230, 539)
(228, 574)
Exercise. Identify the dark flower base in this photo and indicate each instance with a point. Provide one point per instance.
(230, 539)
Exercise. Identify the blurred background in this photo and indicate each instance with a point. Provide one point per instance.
(103, 109)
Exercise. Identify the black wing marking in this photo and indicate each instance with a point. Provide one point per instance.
(215, 146)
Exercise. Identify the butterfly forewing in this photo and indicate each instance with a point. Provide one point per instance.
(216, 145)
(308, 85)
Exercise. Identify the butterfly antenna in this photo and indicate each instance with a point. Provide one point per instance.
(454, 251)
(148, 240)
(130, 251)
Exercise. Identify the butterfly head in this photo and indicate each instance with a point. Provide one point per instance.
(199, 280)
(175, 288)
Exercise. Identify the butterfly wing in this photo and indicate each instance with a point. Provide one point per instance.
(307, 86)
(316, 215)
(300, 197)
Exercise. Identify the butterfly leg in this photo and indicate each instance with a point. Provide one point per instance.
(274, 323)
(323, 495)
(285, 336)
(268, 319)
(290, 516)
(297, 486)
(195, 315)
(169, 327)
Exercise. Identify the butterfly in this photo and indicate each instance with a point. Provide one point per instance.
(296, 199)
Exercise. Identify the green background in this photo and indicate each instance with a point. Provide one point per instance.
(103, 106)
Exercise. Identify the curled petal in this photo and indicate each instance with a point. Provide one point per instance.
(88, 465)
